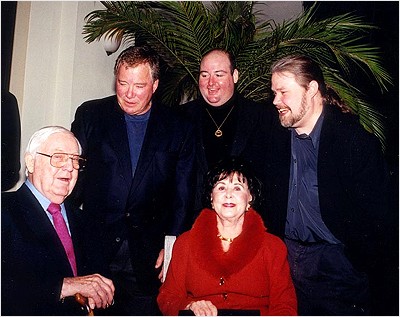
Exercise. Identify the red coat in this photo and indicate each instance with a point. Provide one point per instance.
(253, 274)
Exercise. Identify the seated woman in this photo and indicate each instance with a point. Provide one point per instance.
(228, 260)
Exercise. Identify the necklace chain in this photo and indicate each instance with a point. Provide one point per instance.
(230, 240)
(218, 132)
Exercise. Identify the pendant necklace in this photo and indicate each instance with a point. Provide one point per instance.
(218, 132)
(230, 240)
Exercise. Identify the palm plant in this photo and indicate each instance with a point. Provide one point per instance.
(182, 31)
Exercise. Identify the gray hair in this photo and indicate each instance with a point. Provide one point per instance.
(136, 55)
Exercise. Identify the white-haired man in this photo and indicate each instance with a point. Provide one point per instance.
(44, 259)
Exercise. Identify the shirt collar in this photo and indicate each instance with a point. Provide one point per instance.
(138, 117)
(315, 133)
(44, 202)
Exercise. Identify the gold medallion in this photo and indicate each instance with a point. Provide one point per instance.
(218, 132)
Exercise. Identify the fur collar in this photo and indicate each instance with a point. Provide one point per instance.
(207, 249)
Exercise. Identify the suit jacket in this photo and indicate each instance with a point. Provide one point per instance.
(10, 140)
(143, 208)
(33, 260)
(252, 117)
(353, 185)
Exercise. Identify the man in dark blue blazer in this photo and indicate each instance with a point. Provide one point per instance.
(227, 123)
(328, 191)
(37, 276)
(137, 182)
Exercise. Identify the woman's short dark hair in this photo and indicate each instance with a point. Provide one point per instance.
(228, 167)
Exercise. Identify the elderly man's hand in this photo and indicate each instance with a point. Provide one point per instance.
(98, 289)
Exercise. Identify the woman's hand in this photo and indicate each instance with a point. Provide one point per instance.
(203, 308)
(98, 289)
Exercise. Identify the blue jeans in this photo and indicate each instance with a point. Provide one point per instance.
(326, 282)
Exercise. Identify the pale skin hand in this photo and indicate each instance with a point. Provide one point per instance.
(203, 308)
(159, 262)
(98, 289)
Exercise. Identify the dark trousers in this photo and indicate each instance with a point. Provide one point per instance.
(326, 283)
(129, 298)
(129, 302)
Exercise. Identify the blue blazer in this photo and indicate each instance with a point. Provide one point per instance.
(33, 260)
(146, 207)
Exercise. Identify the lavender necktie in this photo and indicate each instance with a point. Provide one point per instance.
(62, 231)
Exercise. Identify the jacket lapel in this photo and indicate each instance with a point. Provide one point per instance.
(245, 123)
(75, 227)
(116, 127)
(243, 126)
(200, 153)
(327, 139)
(39, 224)
(153, 140)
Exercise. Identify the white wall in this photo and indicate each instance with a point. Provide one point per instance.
(279, 11)
(54, 70)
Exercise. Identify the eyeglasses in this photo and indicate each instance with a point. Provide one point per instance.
(60, 159)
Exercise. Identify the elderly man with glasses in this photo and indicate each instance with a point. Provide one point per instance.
(48, 254)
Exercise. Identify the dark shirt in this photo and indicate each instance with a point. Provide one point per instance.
(303, 221)
(136, 127)
(216, 148)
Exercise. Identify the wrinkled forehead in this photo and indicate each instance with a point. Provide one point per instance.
(125, 65)
(60, 142)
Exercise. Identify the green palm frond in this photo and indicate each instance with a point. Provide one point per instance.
(336, 44)
(182, 31)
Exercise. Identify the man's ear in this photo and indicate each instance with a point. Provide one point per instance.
(235, 76)
(312, 88)
(30, 163)
(155, 85)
